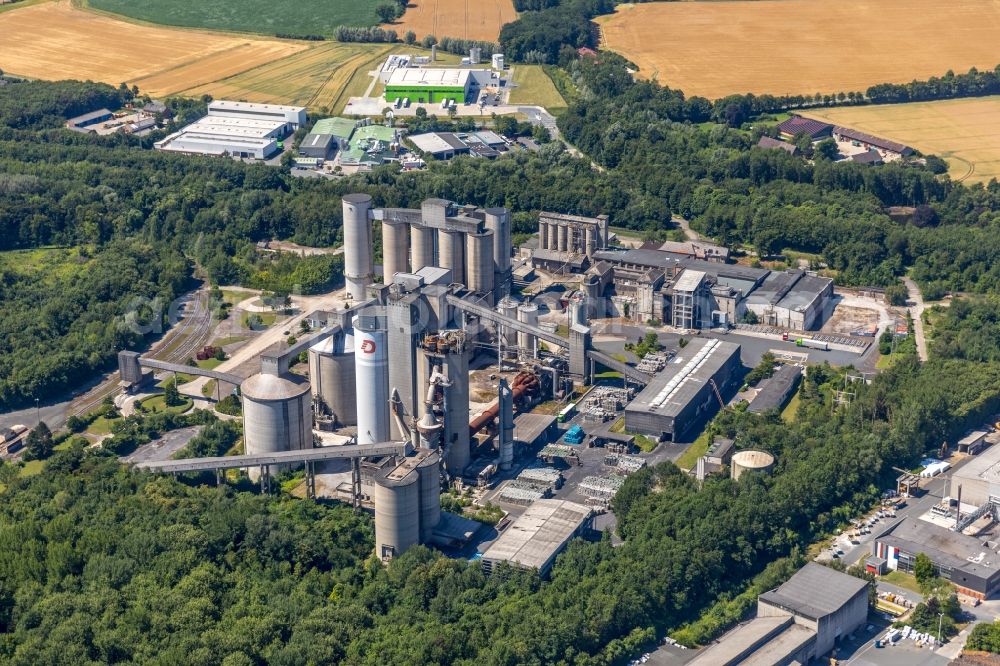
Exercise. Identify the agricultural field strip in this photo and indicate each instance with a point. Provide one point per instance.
(960, 130)
(782, 47)
(58, 41)
(464, 19)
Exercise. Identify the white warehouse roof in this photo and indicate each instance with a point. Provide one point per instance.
(542, 531)
(418, 76)
(229, 105)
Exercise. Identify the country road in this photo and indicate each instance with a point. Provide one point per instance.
(916, 313)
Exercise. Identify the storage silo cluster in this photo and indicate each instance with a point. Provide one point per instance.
(473, 243)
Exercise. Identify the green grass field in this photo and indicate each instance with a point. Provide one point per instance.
(689, 458)
(266, 17)
(535, 87)
(157, 403)
(49, 263)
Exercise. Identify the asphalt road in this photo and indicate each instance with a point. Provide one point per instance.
(163, 448)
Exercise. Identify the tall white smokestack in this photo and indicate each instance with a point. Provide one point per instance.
(505, 436)
(372, 378)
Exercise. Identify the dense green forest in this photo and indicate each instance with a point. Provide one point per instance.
(98, 565)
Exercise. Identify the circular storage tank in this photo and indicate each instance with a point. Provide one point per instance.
(333, 376)
(527, 313)
(751, 461)
(429, 472)
(277, 414)
(397, 512)
(479, 259)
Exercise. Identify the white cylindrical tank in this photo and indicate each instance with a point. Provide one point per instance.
(421, 247)
(508, 308)
(396, 496)
(429, 471)
(479, 262)
(527, 313)
(333, 376)
(277, 415)
(372, 378)
(395, 249)
(451, 254)
(359, 252)
(750, 461)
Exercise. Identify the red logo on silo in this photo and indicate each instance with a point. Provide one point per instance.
(368, 347)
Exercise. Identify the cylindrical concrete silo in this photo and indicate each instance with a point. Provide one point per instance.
(527, 313)
(479, 262)
(395, 249)
(277, 415)
(451, 254)
(578, 312)
(750, 461)
(429, 471)
(498, 221)
(594, 299)
(359, 252)
(372, 378)
(590, 243)
(563, 233)
(396, 495)
(421, 247)
(333, 376)
(553, 243)
(508, 308)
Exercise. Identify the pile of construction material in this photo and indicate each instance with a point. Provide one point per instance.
(653, 362)
(601, 488)
(521, 493)
(624, 464)
(542, 477)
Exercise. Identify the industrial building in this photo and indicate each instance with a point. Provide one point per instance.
(798, 126)
(690, 292)
(293, 117)
(239, 129)
(776, 390)
(87, 121)
(429, 85)
(979, 479)
(535, 539)
(971, 563)
(472, 243)
(446, 145)
(566, 242)
(687, 392)
(797, 622)
(883, 147)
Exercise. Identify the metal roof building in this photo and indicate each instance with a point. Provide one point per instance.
(682, 395)
(776, 390)
(979, 478)
(292, 115)
(538, 536)
(429, 85)
(797, 622)
(970, 563)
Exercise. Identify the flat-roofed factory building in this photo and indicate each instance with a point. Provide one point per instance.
(538, 535)
(429, 85)
(687, 391)
(796, 623)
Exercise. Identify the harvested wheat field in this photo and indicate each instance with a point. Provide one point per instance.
(322, 77)
(964, 132)
(465, 19)
(58, 41)
(802, 47)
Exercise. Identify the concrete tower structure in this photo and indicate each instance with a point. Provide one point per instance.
(372, 362)
(359, 251)
(498, 221)
(333, 377)
(505, 434)
(395, 249)
(480, 270)
(451, 254)
(421, 247)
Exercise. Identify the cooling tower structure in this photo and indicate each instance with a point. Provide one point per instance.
(751, 461)
(277, 415)
(407, 503)
(359, 251)
(334, 379)
(372, 377)
(527, 313)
